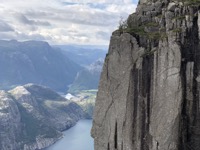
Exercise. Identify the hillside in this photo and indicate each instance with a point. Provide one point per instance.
(35, 62)
(87, 78)
(32, 117)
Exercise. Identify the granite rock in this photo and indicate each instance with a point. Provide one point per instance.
(148, 96)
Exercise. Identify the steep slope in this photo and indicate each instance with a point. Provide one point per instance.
(35, 62)
(8, 112)
(87, 78)
(31, 117)
(20, 130)
(148, 96)
(48, 106)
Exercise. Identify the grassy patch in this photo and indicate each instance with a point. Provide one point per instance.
(150, 35)
(177, 30)
(54, 104)
(179, 18)
(86, 99)
(194, 3)
(157, 35)
(135, 30)
(151, 24)
(154, 35)
(159, 16)
(148, 53)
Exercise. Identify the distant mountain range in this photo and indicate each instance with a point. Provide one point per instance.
(38, 62)
(35, 62)
(83, 55)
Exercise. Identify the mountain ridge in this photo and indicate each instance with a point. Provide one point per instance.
(32, 117)
(35, 62)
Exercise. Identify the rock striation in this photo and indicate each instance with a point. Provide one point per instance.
(32, 117)
(148, 96)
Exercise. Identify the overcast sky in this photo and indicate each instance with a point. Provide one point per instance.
(63, 21)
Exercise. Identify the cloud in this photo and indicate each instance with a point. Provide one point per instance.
(5, 27)
(30, 36)
(64, 21)
(102, 34)
(23, 19)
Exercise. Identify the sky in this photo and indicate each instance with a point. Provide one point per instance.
(88, 22)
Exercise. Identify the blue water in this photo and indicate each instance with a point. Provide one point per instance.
(76, 138)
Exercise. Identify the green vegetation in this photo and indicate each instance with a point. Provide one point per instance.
(136, 30)
(140, 30)
(179, 18)
(177, 30)
(86, 79)
(151, 24)
(162, 29)
(43, 93)
(54, 104)
(159, 16)
(157, 35)
(86, 99)
(148, 53)
(150, 35)
(191, 2)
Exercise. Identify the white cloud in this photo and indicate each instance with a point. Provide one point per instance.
(5, 27)
(63, 21)
(24, 20)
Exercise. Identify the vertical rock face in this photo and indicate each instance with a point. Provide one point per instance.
(148, 95)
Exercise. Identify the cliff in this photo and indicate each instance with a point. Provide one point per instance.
(148, 96)
(32, 117)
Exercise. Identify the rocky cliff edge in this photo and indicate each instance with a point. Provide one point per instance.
(148, 95)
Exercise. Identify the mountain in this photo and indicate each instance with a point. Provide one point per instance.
(148, 97)
(87, 78)
(32, 116)
(82, 54)
(35, 62)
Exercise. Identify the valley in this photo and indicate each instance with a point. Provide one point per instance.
(32, 113)
(85, 99)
